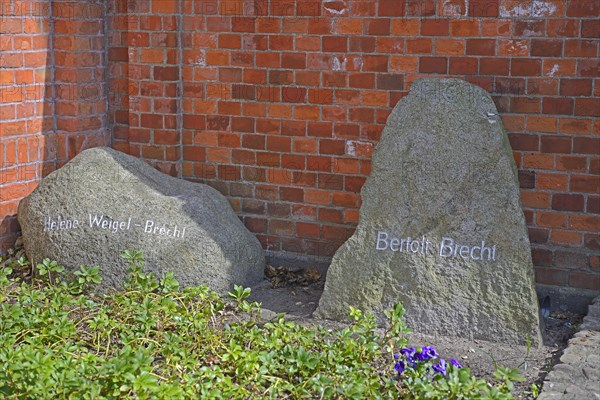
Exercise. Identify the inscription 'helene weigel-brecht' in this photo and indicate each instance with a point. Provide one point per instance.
(100, 221)
(448, 247)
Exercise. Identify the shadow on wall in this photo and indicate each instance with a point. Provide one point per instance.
(52, 101)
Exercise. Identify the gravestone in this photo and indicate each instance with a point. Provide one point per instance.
(104, 202)
(441, 228)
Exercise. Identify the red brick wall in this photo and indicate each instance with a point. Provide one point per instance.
(52, 93)
(279, 104)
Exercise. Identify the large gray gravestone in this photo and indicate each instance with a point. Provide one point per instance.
(441, 227)
(104, 202)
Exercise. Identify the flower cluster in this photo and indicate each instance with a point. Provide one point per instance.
(410, 358)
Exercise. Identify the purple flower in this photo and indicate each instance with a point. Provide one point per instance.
(426, 353)
(455, 363)
(400, 366)
(441, 367)
(430, 352)
(408, 352)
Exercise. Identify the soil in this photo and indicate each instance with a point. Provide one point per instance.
(299, 302)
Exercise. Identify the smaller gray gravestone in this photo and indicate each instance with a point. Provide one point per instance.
(104, 202)
(441, 226)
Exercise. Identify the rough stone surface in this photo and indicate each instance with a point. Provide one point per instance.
(577, 377)
(137, 201)
(442, 169)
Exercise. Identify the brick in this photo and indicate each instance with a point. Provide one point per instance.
(563, 27)
(551, 276)
(584, 280)
(595, 263)
(592, 241)
(546, 48)
(419, 45)
(567, 238)
(307, 230)
(435, 27)
(481, 47)
(463, 65)
(551, 181)
(334, 44)
(538, 236)
(541, 257)
(513, 47)
(403, 64)
(291, 194)
(376, 26)
(390, 81)
(571, 163)
(526, 179)
(595, 166)
(330, 215)
(586, 145)
(583, 222)
(587, 107)
(305, 145)
(516, 86)
(334, 79)
(567, 202)
(405, 26)
(580, 48)
(537, 123)
(362, 80)
(348, 200)
(593, 204)
(464, 27)
(422, 8)
(590, 28)
(529, 28)
(556, 144)
(389, 45)
(483, 8)
(281, 227)
(362, 44)
(575, 87)
(391, 8)
(525, 142)
(535, 199)
(569, 259)
(538, 161)
(293, 60)
(550, 219)
(375, 63)
(435, 65)
(494, 66)
(557, 105)
(582, 8)
(316, 196)
(574, 126)
(526, 67)
(449, 46)
(166, 73)
(585, 184)
(542, 86)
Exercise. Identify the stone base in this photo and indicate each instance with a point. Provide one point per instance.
(567, 299)
(296, 260)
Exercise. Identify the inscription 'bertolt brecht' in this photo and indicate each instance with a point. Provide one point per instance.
(448, 247)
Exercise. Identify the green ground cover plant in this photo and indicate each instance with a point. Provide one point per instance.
(153, 340)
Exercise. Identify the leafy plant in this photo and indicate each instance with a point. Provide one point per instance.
(154, 340)
(49, 268)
